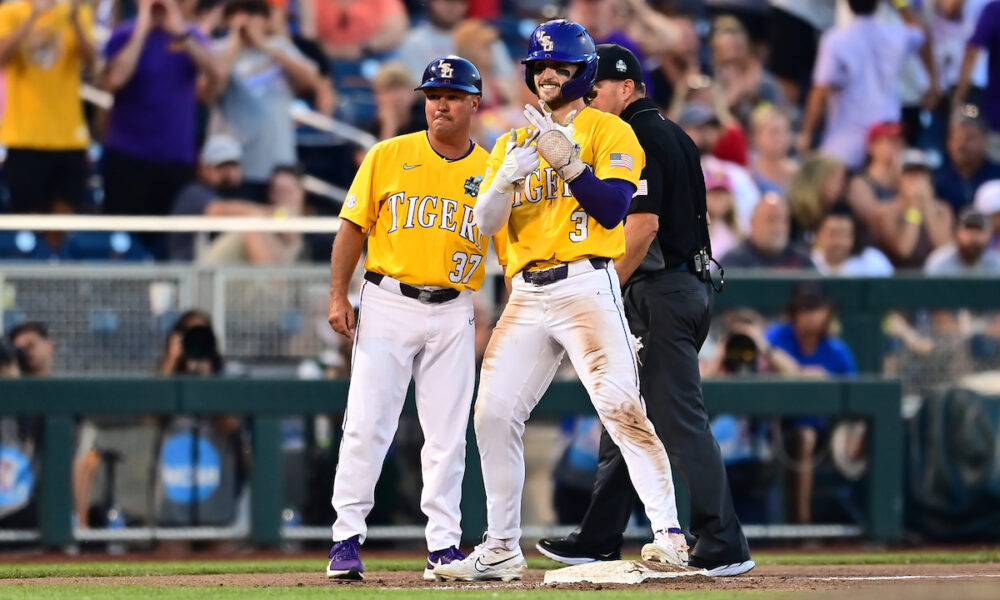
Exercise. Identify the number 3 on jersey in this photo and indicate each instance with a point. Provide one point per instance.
(460, 274)
(579, 218)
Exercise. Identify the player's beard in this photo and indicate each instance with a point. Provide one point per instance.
(556, 101)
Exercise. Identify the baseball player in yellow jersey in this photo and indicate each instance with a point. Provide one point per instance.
(412, 198)
(563, 233)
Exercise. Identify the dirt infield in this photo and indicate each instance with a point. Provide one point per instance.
(920, 580)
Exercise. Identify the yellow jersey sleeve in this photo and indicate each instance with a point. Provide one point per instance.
(361, 206)
(495, 160)
(500, 246)
(617, 153)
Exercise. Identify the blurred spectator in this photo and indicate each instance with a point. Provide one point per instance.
(351, 29)
(44, 46)
(878, 182)
(679, 65)
(740, 74)
(286, 197)
(436, 37)
(752, 14)
(967, 167)
(722, 227)
(602, 21)
(909, 227)
(840, 251)
(795, 27)
(191, 347)
(501, 108)
(35, 349)
(985, 38)
(705, 130)
(9, 362)
(219, 192)
(18, 471)
(969, 254)
(855, 81)
(988, 203)
(815, 188)
(807, 338)
(158, 67)
(767, 244)
(771, 139)
(745, 350)
(648, 27)
(398, 110)
(262, 71)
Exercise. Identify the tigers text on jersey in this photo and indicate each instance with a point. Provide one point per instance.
(417, 207)
(547, 224)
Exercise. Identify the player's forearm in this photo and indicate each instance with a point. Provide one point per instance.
(344, 258)
(607, 201)
(491, 212)
(640, 231)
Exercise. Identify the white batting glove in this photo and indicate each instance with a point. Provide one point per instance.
(555, 141)
(520, 160)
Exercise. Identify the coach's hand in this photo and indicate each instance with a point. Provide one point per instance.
(341, 315)
(520, 159)
(555, 142)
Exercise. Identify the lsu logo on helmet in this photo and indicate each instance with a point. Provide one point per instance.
(446, 70)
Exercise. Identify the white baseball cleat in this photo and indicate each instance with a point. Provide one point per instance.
(488, 562)
(668, 547)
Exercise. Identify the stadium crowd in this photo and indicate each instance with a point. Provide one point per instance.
(885, 117)
(844, 137)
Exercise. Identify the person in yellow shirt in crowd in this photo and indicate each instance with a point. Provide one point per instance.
(44, 46)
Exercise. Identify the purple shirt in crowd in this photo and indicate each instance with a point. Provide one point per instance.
(987, 37)
(154, 115)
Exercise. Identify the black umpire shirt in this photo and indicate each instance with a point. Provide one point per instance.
(672, 187)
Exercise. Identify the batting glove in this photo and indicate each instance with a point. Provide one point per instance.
(520, 159)
(555, 141)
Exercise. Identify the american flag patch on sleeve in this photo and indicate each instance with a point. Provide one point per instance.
(641, 189)
(621, 160)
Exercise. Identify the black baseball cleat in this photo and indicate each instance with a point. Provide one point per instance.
(721, 569)
(567, 551)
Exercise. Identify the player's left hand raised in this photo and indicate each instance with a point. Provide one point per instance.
(555, 141)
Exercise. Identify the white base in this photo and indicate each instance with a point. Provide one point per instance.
(619, 571)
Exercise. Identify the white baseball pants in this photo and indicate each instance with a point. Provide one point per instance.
(398, 338)
(581, 316)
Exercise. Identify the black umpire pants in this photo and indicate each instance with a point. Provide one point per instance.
(671, 313)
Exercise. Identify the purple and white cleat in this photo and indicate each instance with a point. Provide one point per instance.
(345, 560)
(441, 557)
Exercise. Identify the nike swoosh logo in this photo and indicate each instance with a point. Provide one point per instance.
(479, 564)
(407, 167)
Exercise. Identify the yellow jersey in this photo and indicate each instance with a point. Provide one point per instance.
(547, 225)
(416, 207)
(44, 110)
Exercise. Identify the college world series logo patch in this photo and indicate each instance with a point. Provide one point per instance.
(472, 185)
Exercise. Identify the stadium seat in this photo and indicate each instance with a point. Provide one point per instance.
(104, 245)
(24, 245)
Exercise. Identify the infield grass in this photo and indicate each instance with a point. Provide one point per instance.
(298, 565)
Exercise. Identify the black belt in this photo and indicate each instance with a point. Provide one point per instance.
(556, 273)
(425, 296)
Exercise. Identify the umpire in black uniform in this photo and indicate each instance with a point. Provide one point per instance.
(668, 302)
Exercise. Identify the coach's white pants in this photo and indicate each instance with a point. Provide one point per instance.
(398, 338)
(581, 316)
